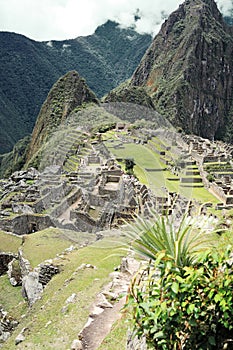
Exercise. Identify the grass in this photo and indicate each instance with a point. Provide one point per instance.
(157, 181)
(144, 158)
(117, 338)
(64, 326)
(43, 245)
(11, 298)
(9, 243)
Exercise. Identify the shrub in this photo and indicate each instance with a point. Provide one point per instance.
(210, 177)
(183, 299)
(184, 307)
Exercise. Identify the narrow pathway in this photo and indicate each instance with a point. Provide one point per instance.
(93, 336)
(104, 314)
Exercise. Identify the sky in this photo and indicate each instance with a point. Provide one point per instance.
(45, 20)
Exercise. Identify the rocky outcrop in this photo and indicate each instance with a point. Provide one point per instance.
(34, 281)
(188, 69)
(130, 94)
(7, 325)
(134, 343)
(69, 92)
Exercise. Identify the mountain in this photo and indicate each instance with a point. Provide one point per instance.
(28, 69)
(188, 69)
(68, 93)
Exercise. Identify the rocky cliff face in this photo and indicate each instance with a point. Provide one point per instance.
(188, 69)
(68, 93)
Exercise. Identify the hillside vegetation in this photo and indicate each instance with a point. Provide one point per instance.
(28, 70)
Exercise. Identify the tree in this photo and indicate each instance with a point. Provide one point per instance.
(129, 165)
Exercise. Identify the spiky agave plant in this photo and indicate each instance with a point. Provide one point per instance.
(181, 241)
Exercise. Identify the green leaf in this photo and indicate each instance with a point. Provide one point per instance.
(175, 287)
(163, 305)
(211, 340)
(159, 335)
(190, 308)
(180, 279)
(217, 298)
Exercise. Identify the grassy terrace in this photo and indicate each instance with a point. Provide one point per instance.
(52, 328)
(145, 159)
(9, 243)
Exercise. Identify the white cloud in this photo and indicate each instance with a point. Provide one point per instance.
(65, 19)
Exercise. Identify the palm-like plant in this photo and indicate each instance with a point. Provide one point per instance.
(181, 242)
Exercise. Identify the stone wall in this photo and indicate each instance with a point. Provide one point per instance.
(66, 203)
(191, 180)
(84, 223)
(133, 343)
(26, 223)
(5, 259)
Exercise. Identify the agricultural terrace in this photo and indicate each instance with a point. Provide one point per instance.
(151, 171)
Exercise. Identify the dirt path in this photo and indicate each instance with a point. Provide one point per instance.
(100, 327)
(103, 313)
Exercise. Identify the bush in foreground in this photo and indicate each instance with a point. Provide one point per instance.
(188, 307)
(182, 299)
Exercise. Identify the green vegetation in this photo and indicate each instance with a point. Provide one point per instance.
(182, 299)
(49, 325)
(30, 68)
(185, 307)
(152, 172)
(43, 245)
(11, 298)
(129, 165)
(9, 243)
(181, 243)
(15, 159)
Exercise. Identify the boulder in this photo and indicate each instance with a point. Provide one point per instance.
(76, 345)
(21, 336)
(31, 287)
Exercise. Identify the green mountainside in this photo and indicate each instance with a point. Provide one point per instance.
(28, 69)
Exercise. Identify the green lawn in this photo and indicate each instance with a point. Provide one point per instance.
(157, 181)
(144, 158)
(9, 243)
(11, 298)
(43, 245)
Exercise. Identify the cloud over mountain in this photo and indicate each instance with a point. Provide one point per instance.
(65, 19)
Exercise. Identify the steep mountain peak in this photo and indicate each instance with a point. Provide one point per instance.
(109, 25)
(188, 68)
(69, 92)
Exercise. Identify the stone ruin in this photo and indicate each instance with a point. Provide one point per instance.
(33, 281)
(95, 196)
(208, 153)
(92, 196)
